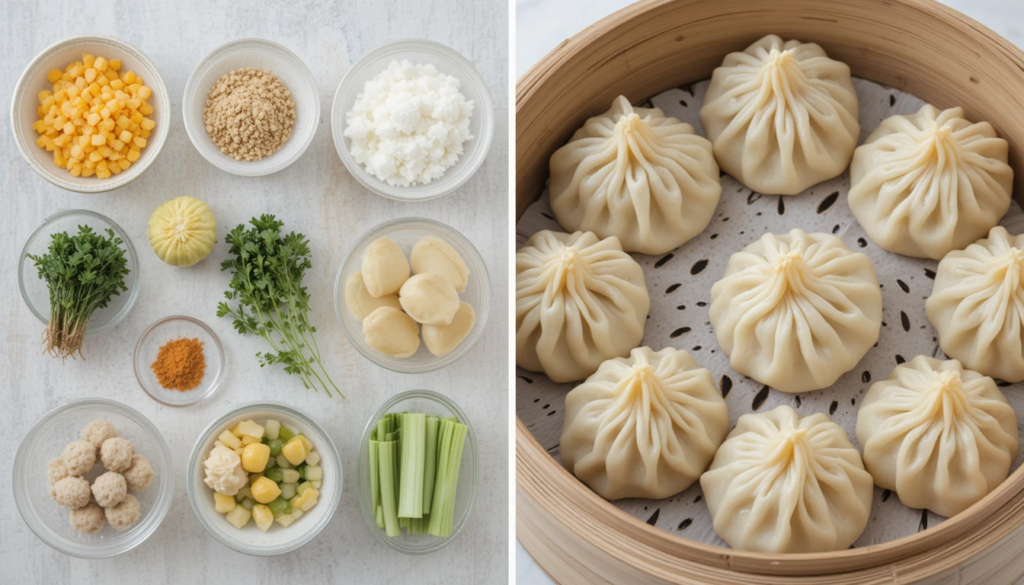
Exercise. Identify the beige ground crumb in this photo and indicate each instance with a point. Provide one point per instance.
(249, 114)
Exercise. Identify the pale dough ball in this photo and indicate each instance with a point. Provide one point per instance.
(124, 514)
(79, 457)
(384, 267)
(97, 432)
(441, 339)
(139, 475)
(88, 519)
(116, 454)
(391, 332)
(56, 470)
(359, 300)
(429, 299)
(437, 256)
(109, 489)
(71, 492)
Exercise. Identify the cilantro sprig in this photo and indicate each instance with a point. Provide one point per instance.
(266, 286)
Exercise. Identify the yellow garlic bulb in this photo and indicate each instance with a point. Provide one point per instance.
(182, 231)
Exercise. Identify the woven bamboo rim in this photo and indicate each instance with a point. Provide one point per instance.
(916, 46)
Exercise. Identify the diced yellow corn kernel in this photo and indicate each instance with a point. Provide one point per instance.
(115, 64)
(100, 64)
(146, 109)
(294, 451)
(133, 155)
(98, 139)
(145, 92)
(128, 77)
(76, 169)
(54, 75)
(88, 60)
(223, 504)
(255, 457)
(124, 164)
(264, 490)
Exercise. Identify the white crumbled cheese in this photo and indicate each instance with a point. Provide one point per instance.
(409, 123)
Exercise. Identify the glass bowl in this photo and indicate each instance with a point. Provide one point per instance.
(427, 402)
(447, 61)
(259, 54)
(165, 330)
(35, 291)
(406, 232)
(46, 440)
(278, 539)
(58, 56)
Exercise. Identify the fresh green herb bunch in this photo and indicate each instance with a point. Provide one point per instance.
(266, 281)
(82, 272)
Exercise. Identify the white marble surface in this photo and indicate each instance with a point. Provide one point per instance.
(542, 24)
(316, 196)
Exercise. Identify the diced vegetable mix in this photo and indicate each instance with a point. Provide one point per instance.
(414, 472)
(277, 459)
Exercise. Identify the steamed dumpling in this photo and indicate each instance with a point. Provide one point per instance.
(429, 299)
(579, 301)
(782, 116)
(384, 267)
(796, 311)
(359, 300)
(925, 184)
(638, 175)
(645, 426)
(977, 305)
(784, 484)
(437, 256)
(938, 435)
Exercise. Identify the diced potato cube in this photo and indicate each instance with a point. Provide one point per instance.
(254, 457)
(224, 504)
(303, 487)
(282, 462)
(238, 516)
(297, 513)
(291, 476)
(247, 427)
(239, 451)
(314, 473)
(285, 520)
(288, 490)
(294, 451)
(305, 442)
(317, 484)
(229, 440)
(263, 517)
(272, 428)
(313, 458)
(305, 500)
(246, 439)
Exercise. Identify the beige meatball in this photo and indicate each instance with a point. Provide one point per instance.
(124, 514)
(88, 519)
(71, 492)
(437, 256)
(97, 432)
(391, 332)
(79, 457)
(441, 339)
(429, 299)
(359, 300)
(384, 267)
(116, 454)
(139, 475)
(109, 489)
(56, 470)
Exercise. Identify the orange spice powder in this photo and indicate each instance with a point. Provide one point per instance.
(180, 364)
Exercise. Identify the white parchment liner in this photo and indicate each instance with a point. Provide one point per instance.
(680, 284)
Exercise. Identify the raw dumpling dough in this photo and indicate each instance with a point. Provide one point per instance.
(977, 305)
(385, 268)
(925, 184)
(796, 311)
(782, 116)
(938, 435)
(645, 426)
(441, 339)
(391, 332)
(437, 256)
(638, 175)
(784, 484)
(579, 301)
(359, 300)
(429, 299)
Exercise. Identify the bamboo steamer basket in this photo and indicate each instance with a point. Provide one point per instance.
(916, 46)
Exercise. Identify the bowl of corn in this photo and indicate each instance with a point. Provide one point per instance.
(292, 483)
(90, 113)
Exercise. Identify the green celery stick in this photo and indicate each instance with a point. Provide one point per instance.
(429, 463)
(387, 455)
(410, 496)
(374, 476)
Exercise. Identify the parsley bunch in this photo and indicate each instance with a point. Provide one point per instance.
(82, 272)
(266, 281)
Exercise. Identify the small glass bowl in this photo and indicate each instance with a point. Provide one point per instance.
(34, 289)
(406, 232)
(168, 329)
(46, 440)
(278, 539)
(449, 62)
(427, 402)
(258, 54)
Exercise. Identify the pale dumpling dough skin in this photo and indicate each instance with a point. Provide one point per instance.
(384, 267)
(796, 311)
(645, 426)
(938, 435)
(785, 484)
(429, 299)
(579, 301)
(437, 256)
(391, 332)
(925, 184)
(359, 300)
(636, 174)
(441, 339)
(782, 116)
(977, 305)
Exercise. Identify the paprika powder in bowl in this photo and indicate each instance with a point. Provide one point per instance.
(179, 361)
